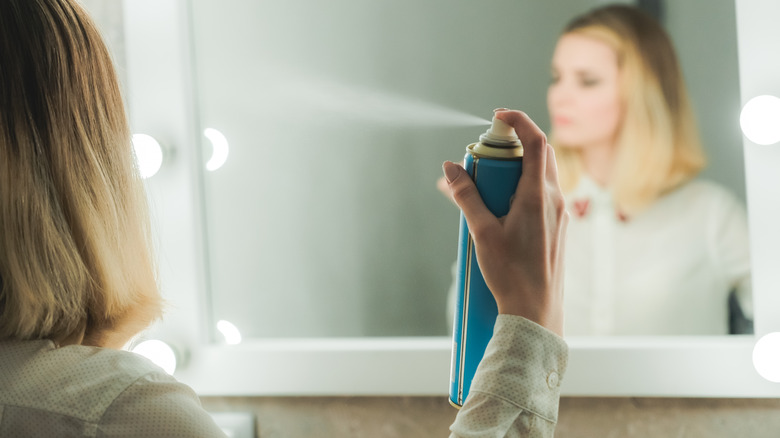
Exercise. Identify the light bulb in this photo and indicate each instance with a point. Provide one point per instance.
(219, 147)
(148, 154)
(158, 352)
(766, 357)
(760, 119)
(229, 331)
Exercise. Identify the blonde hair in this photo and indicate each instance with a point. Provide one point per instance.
(75, 253)
(658, 146)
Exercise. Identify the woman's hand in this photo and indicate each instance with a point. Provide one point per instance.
(444, 187)
(521, 254)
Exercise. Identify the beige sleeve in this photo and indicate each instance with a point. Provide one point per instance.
(516, 388)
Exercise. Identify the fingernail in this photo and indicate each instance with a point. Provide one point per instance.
(451, 170)
(500, 109)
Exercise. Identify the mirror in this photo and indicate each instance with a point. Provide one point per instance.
(161, 102)
(324, 219)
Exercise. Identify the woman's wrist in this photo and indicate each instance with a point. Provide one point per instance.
(545, 317)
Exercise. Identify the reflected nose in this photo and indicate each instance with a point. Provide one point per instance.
(557, 95)
(555, 99)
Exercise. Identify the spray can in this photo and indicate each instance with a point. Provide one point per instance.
(494, 164)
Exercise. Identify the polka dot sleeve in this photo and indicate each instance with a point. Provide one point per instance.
(516, 389)
(156, 405)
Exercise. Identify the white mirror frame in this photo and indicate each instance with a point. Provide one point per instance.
(162, 102)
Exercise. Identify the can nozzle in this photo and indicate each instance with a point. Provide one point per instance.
(499, 133)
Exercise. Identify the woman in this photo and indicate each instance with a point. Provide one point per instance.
(78, 278)
(651, 250)
(78, 275)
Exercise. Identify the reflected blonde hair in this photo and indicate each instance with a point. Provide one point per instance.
(75, 254)
(658, 145)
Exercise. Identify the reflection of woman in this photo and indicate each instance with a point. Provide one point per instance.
(650, 250)
(77, 278)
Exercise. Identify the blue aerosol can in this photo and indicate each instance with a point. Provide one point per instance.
(494, 164)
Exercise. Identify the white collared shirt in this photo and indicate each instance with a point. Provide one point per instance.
(81, 391)
(666, 271)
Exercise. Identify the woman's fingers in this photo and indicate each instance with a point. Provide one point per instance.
(552, 167)
(534, 145)
(553, 186)
(444, 187)
(466, 196)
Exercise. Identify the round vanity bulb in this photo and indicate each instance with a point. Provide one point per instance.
(158, 352)
(148, 154)
(760, 120)
(766, 357)
(229, 331)
(219, 148)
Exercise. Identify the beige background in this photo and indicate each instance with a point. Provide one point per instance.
(411, 417)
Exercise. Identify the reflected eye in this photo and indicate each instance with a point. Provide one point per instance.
(589, 82)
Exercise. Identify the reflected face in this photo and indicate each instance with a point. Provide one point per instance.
(584, 98)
